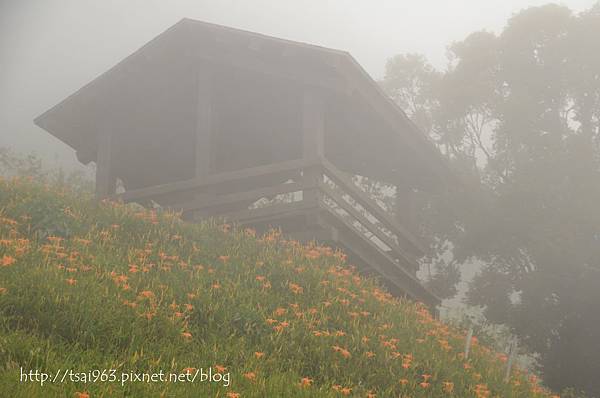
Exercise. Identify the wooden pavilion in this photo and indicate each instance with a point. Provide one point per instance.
(218, 122)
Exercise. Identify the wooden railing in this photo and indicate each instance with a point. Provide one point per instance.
(275, 190)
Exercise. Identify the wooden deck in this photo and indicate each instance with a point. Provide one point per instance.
(307, 200)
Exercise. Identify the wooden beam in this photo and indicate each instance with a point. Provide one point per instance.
(213, 201)
(204, 152)
(212, 179)
(313, 145)
(105, 178)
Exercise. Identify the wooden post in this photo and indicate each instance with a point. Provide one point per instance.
(313, 124)
(204, 152)
(512, 351)
(105, 178)
(204, 122)
(313, 145)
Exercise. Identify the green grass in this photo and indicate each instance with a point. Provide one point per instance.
(88, 286)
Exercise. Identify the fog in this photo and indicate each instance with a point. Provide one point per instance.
(49, 49)
(482, 198)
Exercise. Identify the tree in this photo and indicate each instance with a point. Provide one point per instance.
(518, 114)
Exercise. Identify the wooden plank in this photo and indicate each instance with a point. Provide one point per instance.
(105, 178)
(255, 194)
(212, 179)
(374, 229)
(372, 207)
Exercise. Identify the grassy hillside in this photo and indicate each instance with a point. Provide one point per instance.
(98, 287)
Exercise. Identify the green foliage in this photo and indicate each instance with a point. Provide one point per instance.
(31, 166)
(518, 114)
(119, 287)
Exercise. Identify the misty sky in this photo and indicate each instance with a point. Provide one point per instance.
(50, 48)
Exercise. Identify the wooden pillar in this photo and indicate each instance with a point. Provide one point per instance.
(204, 124)
(204, 146)
(313, 146)
(105, 178)
(313, 124)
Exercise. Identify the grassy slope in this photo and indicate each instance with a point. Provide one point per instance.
(87, 286)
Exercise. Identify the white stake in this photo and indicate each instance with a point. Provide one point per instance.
(468, 342)
(511, 357)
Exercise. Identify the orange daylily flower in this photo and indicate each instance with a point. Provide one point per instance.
(220, 368)
(149, 315)
(259, 354)
(345, 353)
(312, 254)
(84, 394)
(250, 376)
(233, 395)
(71, 281)
(186, 335)
(280, 311)
(305, 382)
(130, 303)
(7, 260)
